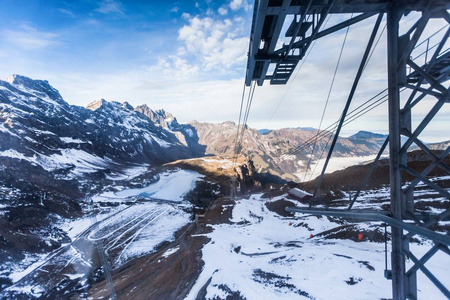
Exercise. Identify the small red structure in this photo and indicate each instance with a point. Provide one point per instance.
(360, 236)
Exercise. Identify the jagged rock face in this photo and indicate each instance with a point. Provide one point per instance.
(132, 136)
(42, 134)
(185, 133)
(160, 117)
(275, 150)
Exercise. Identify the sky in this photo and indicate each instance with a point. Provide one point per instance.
(189, 58)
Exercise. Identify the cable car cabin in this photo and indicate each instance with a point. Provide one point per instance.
(299, 194)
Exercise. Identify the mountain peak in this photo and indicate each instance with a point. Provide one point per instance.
(128, 106)
(38, 85)
(31, 85)
(96, 104)
(160, 117)
(19, 79)
(366, 135)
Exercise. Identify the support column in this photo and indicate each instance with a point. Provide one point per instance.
(398, 255)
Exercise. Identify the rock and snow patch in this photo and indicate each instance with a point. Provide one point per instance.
(262, 255)
(171, 251)
(72, 140)
(83, 161)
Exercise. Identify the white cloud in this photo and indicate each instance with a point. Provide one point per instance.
(176, 67)
(111, 7)
(238, 4)
(67, 12)
(222, 11)
(214, 46)
(28, 38)
(175, 9)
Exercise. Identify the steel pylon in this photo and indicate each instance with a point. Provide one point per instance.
(422, 77)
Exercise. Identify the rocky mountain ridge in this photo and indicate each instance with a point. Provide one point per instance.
(47, 145)
(277, 151)
(38, 126)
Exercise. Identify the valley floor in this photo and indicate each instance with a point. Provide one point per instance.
(125, 231)
(250, 248)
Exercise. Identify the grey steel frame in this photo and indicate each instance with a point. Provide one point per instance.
(426, 80)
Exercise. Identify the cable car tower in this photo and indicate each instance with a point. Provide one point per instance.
(425, 80)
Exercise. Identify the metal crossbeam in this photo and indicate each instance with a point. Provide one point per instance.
(382, 216)
(428, 169)
(430, 275)
(270, 15)
(423, 81)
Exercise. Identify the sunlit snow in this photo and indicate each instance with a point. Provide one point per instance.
(262, 255)
(170, 186)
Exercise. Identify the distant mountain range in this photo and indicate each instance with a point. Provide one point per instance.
(277, 151)
(48, 145)
(53, 155)
(74, 145)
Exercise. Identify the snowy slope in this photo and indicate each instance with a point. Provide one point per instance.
(262, 255)
(171, 186)
(52, 155)
(125, 232)
(38, 127)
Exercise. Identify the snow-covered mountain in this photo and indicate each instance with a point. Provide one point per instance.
(40, 131)
(276, 151)
(52, 154)
(185, 133)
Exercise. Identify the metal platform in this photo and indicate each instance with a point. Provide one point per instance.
(269, 17)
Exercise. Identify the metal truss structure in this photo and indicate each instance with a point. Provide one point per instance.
(425, 80)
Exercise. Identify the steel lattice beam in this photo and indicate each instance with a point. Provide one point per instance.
(423, 81)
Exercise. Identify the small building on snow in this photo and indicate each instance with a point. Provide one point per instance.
(299, 194)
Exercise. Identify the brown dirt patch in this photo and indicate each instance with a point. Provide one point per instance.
(279, 207)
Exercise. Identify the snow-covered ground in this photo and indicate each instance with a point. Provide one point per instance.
(262, 255)
(137, 230)
(125, 232)
(129, 173)
(82, 161)
(171, 186)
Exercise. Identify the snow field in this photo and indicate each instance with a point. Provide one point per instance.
(126, 231)
(171, 186)
(161, 228)
(262, 255)
(82, 161)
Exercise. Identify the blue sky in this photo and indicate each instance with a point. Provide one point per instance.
(188, 57)
(110, 36)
